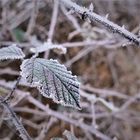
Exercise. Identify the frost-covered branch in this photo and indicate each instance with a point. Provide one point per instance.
(93, 17)
(13, 90)
(23, 133)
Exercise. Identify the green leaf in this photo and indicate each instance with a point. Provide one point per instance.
(53, 80)
(19, 34)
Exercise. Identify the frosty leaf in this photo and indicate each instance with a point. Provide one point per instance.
(69, 135)
(11, 52)
(56, 138)
(47, 46)
(52, 80)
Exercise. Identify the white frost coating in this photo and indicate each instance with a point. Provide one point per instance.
(110, 105)
(69, 135)
(102, 20)
(91, 7)
(47, 46)
(11, 52)
(52, 80)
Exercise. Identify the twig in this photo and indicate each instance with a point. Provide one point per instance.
(104, 92)
(105, 42)
(53, 24)
(12, 91)
(102, 20)
(81, 54)
(53, 20)
(9, 71)
(16, 20)
(130, 101)
(71, 18)
(32, 21)
(23, 133)
(60, 116)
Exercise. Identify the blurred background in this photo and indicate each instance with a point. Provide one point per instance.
(105, 64)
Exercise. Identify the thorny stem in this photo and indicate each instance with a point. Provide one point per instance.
(23, 133)
(102, 20)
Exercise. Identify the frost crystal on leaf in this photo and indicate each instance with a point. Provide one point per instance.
(47, 46)
(69, 135)
(52, 80)
(11, 52)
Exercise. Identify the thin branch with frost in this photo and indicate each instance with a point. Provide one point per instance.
(104, 92)
(81, 54)
(61, 116)
(53, 20)
(46, 46)
(9, 71)
(13, 90)
(71, 18)
(33, 18)
(105, 43)
(52, 25)
(23, 133)
(94, 99)
(88, 14)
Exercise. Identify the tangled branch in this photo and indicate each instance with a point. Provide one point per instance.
(23, 133)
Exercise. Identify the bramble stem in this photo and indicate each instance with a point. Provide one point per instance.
(92, 16)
